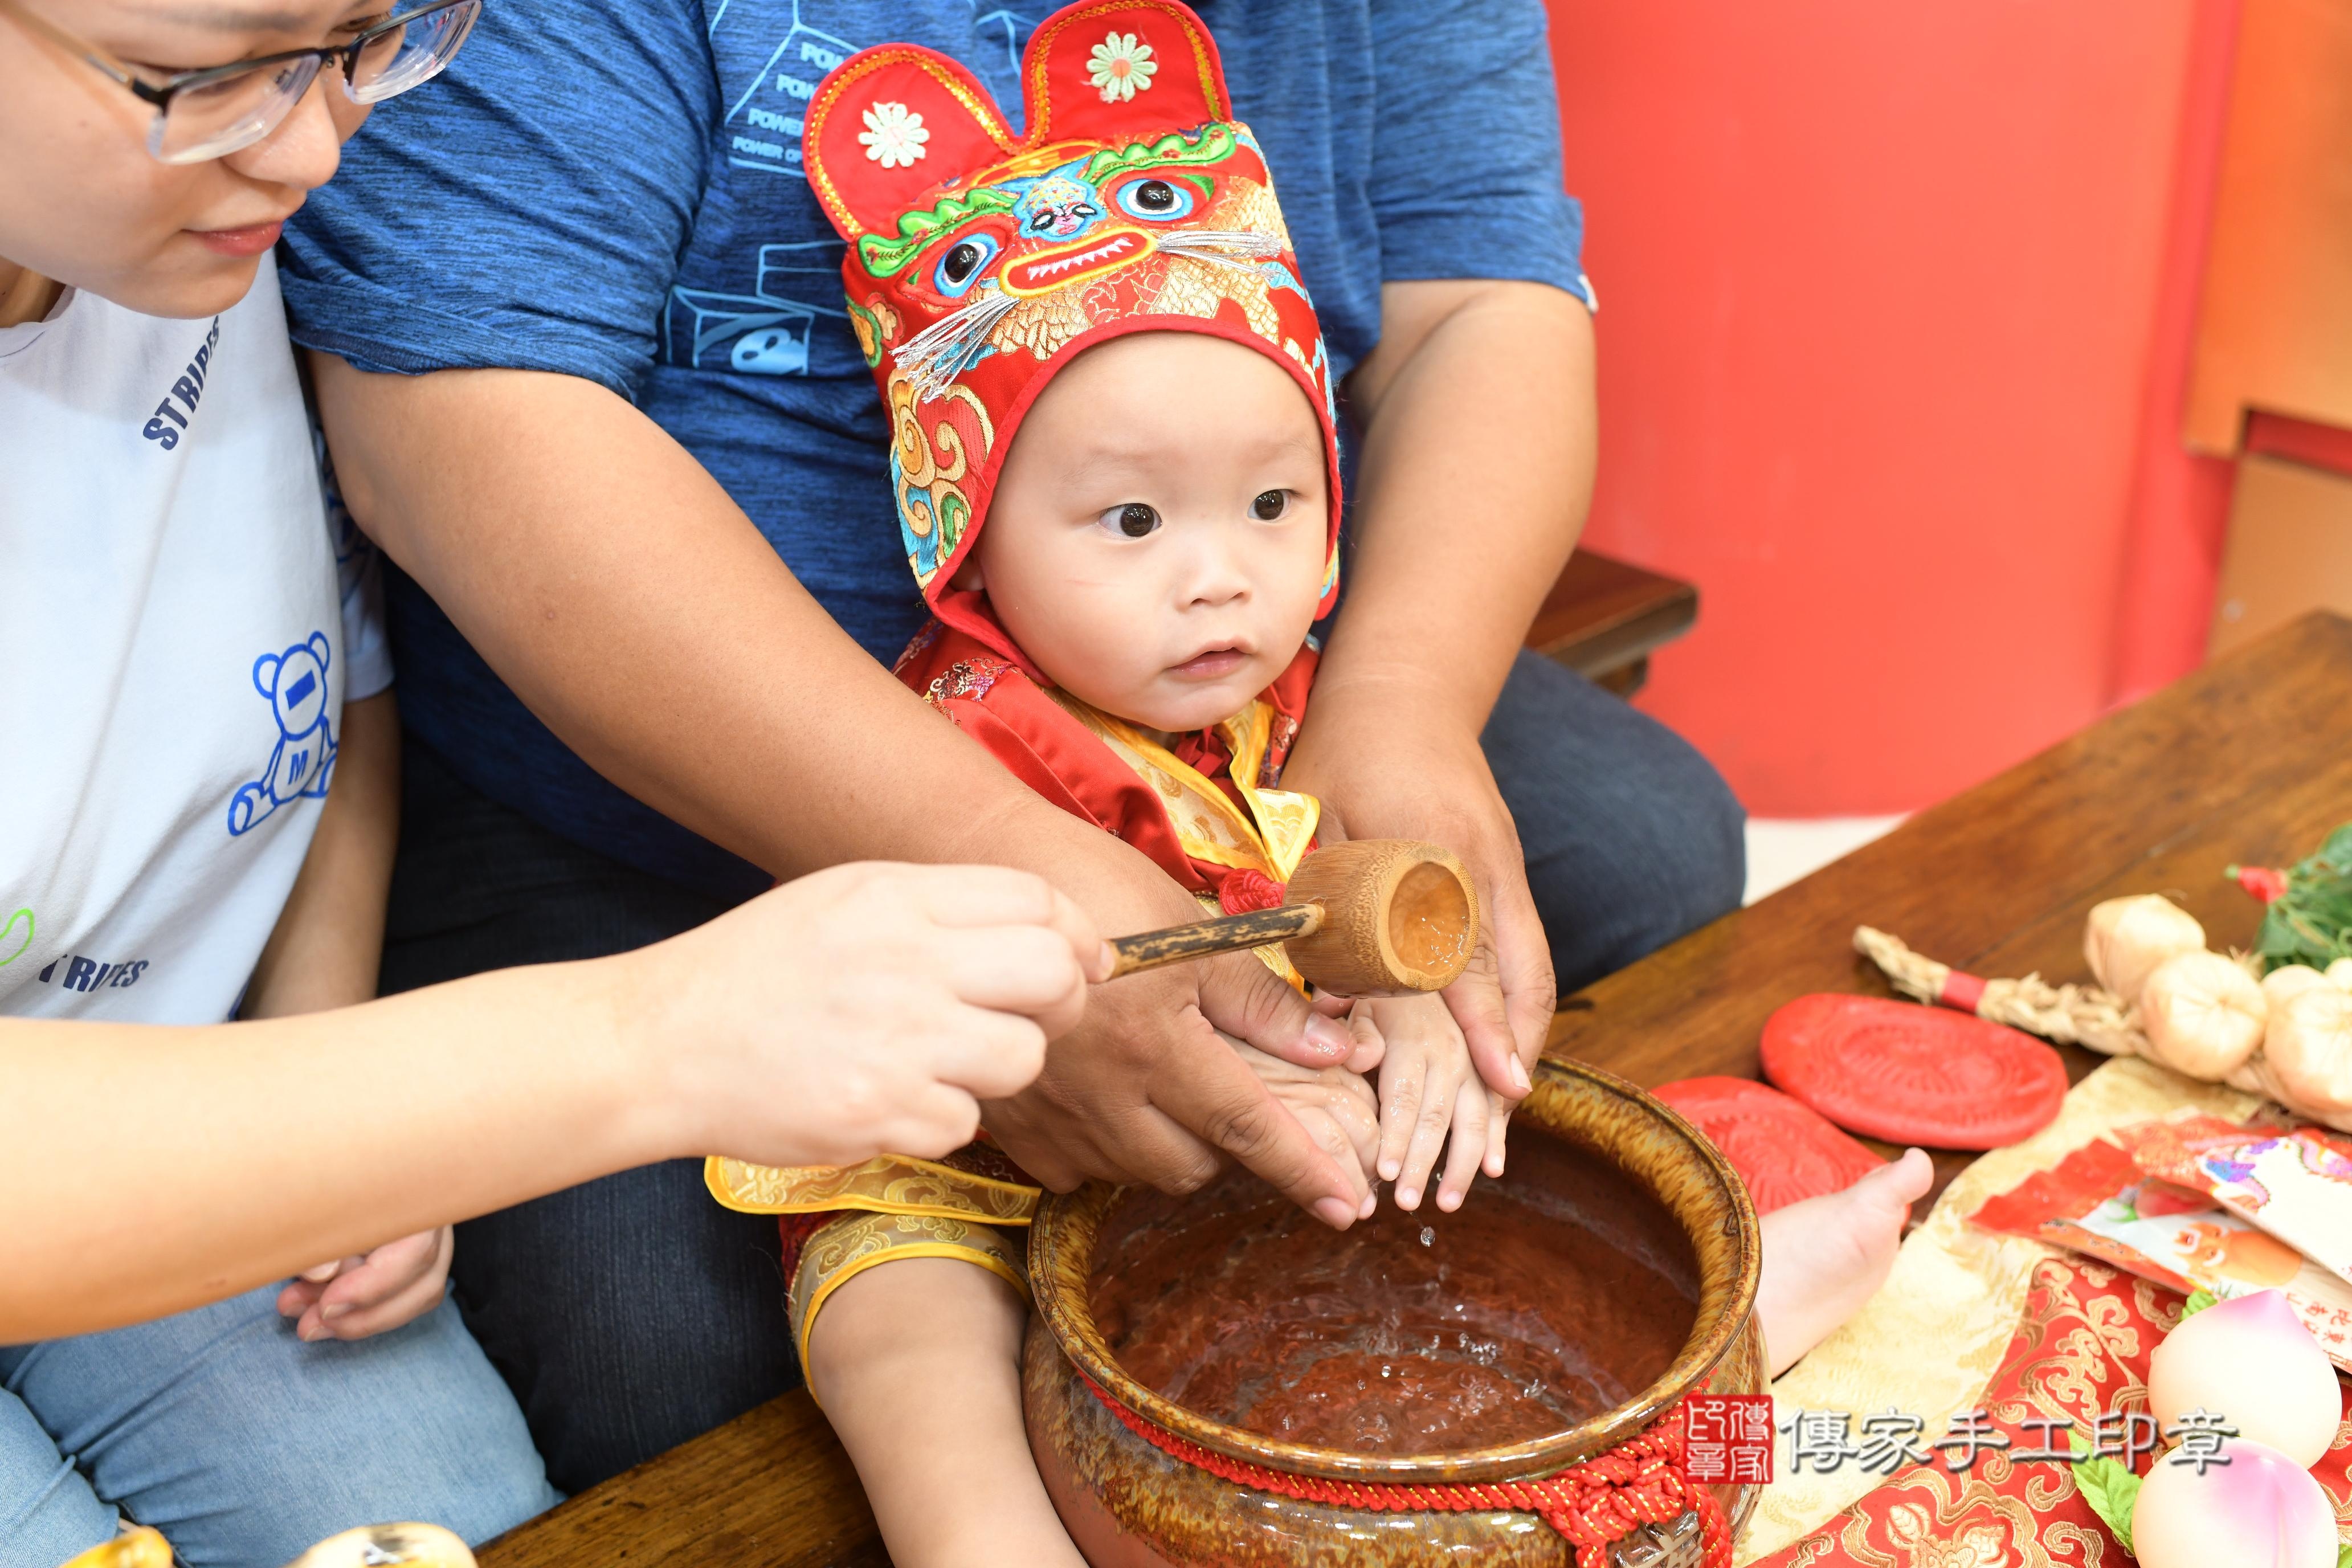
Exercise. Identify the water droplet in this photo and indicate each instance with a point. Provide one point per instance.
(1428, 1236)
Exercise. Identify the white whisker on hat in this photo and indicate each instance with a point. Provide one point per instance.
(1225, 245)
(943, 351)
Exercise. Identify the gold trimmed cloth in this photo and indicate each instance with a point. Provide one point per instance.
(846, 1247)
(887, 1184)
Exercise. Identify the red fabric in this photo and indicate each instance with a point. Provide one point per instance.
(797, 1228)
(2081, 1350)
(996, 703)
(1245, 890)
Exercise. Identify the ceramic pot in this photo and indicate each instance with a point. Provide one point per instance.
(1130, 1505)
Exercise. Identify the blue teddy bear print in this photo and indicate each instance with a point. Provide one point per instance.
(295, 682)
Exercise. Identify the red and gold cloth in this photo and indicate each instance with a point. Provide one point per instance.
(2080, 1351)
(1208, 810)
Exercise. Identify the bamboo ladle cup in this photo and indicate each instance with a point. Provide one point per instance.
(1369, 917)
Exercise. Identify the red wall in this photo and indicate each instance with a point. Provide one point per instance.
(1894, 302)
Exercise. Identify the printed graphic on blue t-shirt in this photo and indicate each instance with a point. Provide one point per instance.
(615, 192)
(766, 81)
(294, 683)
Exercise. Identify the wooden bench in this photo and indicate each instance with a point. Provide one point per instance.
(1604, 619)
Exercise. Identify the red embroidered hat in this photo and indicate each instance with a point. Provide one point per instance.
(980, 263)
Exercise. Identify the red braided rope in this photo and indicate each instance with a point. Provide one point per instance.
(1594, 1504)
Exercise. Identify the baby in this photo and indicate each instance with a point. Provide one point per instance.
(1116, 476)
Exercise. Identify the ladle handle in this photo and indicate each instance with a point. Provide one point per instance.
(1206, 939)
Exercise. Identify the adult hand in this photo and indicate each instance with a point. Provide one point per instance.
(370, 1292)
(1144, 1089)
(873, 1007)
(1391, 761)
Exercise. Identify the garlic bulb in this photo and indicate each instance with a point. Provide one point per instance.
(2203, 1014)
(2292, 980)
(2126, 939)
(2260, 1507)
(2250, 1359)
(2340, 972)
(2309, 1044)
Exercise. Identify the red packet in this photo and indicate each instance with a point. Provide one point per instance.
(2296, 1184)
(2098, 1201)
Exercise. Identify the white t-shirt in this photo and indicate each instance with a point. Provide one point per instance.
(179, 629)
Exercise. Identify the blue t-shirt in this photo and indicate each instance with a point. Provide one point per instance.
(615, 192)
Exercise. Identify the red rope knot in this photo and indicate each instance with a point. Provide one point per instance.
(1244, 890)
(1593, 1505)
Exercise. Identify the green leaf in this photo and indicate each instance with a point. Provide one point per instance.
(2199, 1299)
(2312, 922)
(2344, 1556)
(2110, 1489)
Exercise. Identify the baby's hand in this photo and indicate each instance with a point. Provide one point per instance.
(354, 1296)
(1337, 1107)
(1429, 1087)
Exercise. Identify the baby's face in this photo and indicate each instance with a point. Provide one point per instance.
(1157, 541)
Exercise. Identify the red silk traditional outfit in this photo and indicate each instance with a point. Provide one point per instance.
(980, 264)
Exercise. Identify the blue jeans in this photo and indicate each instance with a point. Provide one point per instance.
(1631, 837)
(632, 1313)
(245, 1446)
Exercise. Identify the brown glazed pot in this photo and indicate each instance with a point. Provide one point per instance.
(1130, 1505)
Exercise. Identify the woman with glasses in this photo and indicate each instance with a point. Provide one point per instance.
(183, 617)
(197, 755)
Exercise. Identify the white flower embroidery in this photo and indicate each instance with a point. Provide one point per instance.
(894, 136)
(1121, 66)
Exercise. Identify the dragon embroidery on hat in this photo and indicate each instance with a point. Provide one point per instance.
(980, 262)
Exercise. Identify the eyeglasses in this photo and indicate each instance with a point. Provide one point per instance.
(210, 113)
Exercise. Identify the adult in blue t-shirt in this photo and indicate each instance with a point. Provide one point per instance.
(586, 374)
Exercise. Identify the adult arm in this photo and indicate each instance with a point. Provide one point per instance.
(144, 1170)
(1478, 417)
(616, 586)
(1475, 469)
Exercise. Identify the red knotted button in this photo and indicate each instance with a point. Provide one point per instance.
(1243, 892)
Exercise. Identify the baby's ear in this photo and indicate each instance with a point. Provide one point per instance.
(1122, 70)
(888, 124)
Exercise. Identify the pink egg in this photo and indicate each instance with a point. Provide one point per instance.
(2253, 1362)
(2261, 1510)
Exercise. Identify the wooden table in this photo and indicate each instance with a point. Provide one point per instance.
(2246, 762)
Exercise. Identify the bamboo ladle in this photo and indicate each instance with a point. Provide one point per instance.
(1369, 917)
